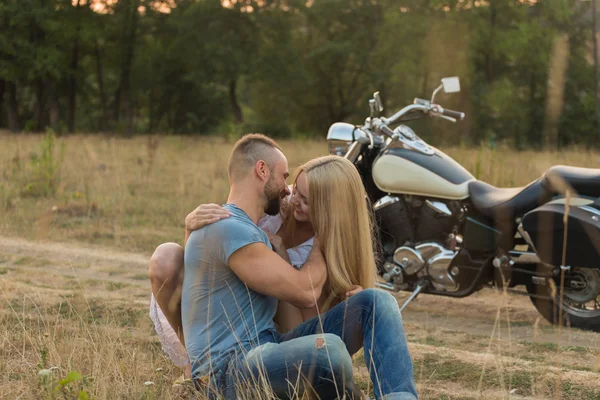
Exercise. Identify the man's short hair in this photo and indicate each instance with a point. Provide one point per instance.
(247, 152)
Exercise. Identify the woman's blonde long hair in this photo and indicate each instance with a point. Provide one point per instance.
(341, 220)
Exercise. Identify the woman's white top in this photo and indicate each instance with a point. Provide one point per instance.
(168, 338)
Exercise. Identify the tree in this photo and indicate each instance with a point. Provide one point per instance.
(127, 11)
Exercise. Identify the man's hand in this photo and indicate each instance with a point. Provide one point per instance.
(277, 243)
(205, 214)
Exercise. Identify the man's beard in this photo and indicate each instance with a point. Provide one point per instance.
(273, 199)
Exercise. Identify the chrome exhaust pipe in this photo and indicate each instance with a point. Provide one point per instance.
(386, 285)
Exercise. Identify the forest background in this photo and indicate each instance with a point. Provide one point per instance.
(291, 68)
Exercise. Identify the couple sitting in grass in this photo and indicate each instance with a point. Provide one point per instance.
(274, 290)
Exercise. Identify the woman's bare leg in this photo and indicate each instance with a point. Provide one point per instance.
(166, 277)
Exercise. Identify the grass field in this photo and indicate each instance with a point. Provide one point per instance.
(75, 237)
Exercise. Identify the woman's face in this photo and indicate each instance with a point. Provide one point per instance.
(300, 199)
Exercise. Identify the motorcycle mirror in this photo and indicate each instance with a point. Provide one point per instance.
(378, 102)
(373, 107)
(451, 84)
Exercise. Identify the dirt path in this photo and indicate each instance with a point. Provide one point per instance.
(478, 315)
(484, 314)
(489, 345)
(70, 252)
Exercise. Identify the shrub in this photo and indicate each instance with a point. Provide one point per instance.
(45, 176)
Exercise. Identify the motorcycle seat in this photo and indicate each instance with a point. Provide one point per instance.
(502, 203)
(584, 181)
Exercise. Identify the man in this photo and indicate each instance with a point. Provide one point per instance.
(231, 284)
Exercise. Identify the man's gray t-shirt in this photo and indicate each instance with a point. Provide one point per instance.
(219, 312)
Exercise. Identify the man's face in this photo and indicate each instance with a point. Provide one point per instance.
(276, 188)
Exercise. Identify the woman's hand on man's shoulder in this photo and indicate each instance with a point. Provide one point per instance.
(205, 214)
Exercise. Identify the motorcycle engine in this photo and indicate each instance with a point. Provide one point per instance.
(393, 222)
(418, 240)
(429, 259)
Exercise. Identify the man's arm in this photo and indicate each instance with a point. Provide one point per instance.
(265, 272)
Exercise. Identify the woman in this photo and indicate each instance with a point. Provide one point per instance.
(328, 200)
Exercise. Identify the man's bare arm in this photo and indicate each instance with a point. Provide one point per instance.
(265, 272)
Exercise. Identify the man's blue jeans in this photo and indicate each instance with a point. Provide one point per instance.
(317, 353)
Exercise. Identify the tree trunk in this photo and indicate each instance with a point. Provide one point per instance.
(38, 112)
(157, 109)
(559, 61)
(171, 115)
(238, 117)
(489, 55)
(123, 94)
(533, 127)
(151, 110)
(596, 100)
(12, 109)
(2, 90)
(73, 78)
(53, 114)
(102, 93)
(117, 106)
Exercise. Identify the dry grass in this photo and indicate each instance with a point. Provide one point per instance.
(129, 194)
(83, 306)
(134, 193)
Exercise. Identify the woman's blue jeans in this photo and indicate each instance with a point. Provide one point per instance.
(317, 353)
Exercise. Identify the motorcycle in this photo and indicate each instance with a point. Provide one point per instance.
(443, 232)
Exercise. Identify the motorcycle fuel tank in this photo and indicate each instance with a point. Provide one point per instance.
(401, 170)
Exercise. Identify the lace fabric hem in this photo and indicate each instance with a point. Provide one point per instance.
(168, 338)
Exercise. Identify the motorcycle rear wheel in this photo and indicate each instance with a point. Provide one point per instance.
(580, 299)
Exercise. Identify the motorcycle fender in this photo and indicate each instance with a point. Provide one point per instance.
(559, 231)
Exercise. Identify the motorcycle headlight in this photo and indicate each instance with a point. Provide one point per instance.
(339, 138)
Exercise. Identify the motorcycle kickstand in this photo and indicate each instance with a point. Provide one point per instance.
(420, 286)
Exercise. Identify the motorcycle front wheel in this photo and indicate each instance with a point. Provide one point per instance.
(580, 298)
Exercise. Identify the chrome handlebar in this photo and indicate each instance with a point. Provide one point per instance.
(413, 107)
(380, 125)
